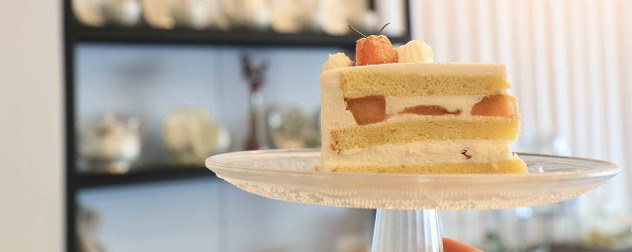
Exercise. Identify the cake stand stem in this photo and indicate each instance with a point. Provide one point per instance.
(407, 231)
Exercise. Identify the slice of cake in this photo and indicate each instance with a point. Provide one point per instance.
(397, 112)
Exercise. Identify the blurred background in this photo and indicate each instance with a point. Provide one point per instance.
(109, 107)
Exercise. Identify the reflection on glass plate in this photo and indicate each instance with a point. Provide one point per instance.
(289, 175)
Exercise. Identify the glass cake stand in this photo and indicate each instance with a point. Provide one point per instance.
(406, 204)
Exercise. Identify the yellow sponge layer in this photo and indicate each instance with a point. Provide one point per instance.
(356, 84)
(492, 128)
(513, 165)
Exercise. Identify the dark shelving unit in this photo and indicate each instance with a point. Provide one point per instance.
(147, 35)
(76, 33)
(147, 174)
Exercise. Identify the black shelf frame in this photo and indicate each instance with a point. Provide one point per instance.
(149, 174)
(147, 35)
(75, 33)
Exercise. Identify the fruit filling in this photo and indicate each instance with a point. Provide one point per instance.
(429, 110)
(368, 109)
(497, 105)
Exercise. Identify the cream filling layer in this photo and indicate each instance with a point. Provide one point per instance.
(422, 153)
(333, 108)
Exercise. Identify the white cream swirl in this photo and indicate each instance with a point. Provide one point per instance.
(415, 51)
(338, 60)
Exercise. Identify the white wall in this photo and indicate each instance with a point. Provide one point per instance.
(31, 149)
(569, 63)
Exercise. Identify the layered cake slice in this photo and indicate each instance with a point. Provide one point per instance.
(401, 113)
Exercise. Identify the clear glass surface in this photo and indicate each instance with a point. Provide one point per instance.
(290, 175)
(407, 220)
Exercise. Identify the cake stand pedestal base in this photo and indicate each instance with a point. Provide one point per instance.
(407, 231)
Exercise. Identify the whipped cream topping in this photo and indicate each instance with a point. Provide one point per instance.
(338, 60)
(415, 51)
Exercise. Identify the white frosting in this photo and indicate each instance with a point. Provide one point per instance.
(333, 109)
(415, 51)
(420, 153)
(338, 60)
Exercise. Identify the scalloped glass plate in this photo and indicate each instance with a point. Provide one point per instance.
(289, 175)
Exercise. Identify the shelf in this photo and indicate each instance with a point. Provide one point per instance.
(143, 175)
(148, 35)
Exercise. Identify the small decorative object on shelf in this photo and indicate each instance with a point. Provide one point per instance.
(248, 14)
(179, 13)
(191, 14)
(362, 17)
(241, 17)
(158, 14)
(88, 12)
(112, 146)
(292, 16)
(122, 12)
(114, 12)
(257, 138)
(333, 16)
(190, 135)
(88, 223)
(288, 127)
